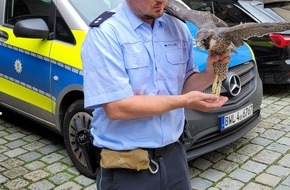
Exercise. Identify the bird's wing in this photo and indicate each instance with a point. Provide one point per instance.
(244, 31)
(179, 9)
(201, 18)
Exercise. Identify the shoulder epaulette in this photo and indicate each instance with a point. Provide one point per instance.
(104, 16)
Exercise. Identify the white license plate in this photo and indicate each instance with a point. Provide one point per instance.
(236, 117)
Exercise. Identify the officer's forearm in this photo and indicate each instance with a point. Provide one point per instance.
(142, 106)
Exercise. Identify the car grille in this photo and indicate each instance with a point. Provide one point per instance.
(246, 72)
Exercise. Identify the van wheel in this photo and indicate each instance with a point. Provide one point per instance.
(74, 112)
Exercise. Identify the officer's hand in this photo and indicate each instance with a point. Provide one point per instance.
(204, 102)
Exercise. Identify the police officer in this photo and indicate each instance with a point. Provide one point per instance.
(139, 76)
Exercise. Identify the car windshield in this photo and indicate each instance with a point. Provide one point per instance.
(282, 8)
(91, 9)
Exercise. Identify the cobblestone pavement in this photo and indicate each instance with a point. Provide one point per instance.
(34, 158)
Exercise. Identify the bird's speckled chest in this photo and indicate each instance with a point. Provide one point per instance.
(219, 44)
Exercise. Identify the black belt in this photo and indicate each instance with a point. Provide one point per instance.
(160, 152)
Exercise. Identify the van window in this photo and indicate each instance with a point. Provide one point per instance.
(23, 9)
(17, 10)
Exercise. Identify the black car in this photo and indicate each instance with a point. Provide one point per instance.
(272, 51)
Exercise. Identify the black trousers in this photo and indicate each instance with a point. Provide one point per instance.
(172, 174)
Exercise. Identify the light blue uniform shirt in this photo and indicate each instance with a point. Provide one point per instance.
(124, 57)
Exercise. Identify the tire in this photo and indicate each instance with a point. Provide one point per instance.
(77, 110)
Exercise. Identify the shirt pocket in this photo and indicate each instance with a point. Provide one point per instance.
(177, 56)
(135, 56)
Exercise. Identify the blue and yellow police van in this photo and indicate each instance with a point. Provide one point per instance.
(41, 76)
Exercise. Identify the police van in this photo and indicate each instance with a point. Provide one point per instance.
(41, 76)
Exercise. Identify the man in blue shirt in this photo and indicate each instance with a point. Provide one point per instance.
(139, 76)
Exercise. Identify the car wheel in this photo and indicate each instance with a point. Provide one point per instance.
(77, 112)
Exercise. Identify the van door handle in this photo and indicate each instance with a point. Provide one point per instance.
(3, 36)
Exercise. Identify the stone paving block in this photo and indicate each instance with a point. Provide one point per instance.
(229, 184)
(62, 152)
(286, 122)
(15, 172)
(2, 179)
(193, 172)
(3, 157)
(277, 147)
(16, 144)
(51, 158)
(82, 180)
(226, 150)
(268, 179)
(239, 143)
(239, 158)
(30, 156)
(16, 184)
(213, 157)
(284, 140)
(67, 161)
(91, 187)
(273, 134)
(41, 185)
(3, 134)
(73, 171)
(15, 129)
(3, 148)
(15, 152)
(256, 186)
(31, 138)
(2, 169)
(11, 163)
(226, 166)
(264, 124)
(34, 145)
(56, 168)
(285, 161)
(251, 135)
(14, 136)
(35, 165)
(3, 141)
(199, 183)
(272, 120)
(36, 175)
(287, 181)
(242, 175)
(212, 175)
(255, 167)
(48, 149)
(267, 156)
(282, 127)
(60, 178)
(278, 170)
(200, 163)
(261, 141)
(69, 185)
(250, 149)
(282, 187)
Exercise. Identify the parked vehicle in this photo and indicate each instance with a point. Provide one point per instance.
(41, 76)
(272, 52)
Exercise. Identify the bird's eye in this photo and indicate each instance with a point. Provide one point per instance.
(203, 41)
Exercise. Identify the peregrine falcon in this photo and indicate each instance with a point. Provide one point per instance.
(215, 35)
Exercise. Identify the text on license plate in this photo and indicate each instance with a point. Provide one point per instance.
(236, 117)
